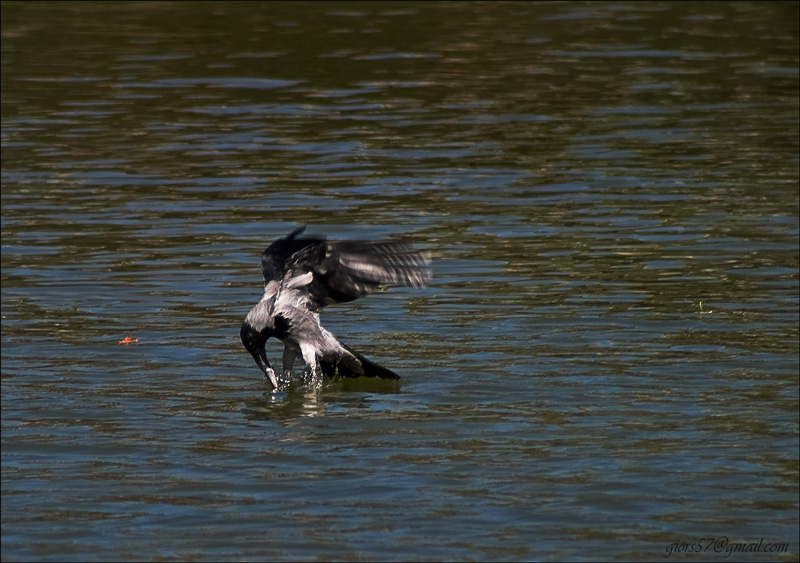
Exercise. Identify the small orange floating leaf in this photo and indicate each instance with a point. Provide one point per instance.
(128, 340)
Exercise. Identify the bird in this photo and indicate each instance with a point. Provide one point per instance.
(302, 275)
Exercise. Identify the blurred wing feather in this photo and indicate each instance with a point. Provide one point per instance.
(343, 270)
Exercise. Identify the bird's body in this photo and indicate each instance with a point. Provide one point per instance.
(303, 275)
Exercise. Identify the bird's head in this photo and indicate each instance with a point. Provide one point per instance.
(258, 327)
(255, 342)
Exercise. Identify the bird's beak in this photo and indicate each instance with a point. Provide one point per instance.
(268, 371)
(260, 356)
(256, 343)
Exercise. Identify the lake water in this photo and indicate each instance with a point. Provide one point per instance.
(585, 175)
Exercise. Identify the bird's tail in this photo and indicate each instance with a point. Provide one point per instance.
(368, 368)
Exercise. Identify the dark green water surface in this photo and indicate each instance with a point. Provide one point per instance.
(585, 174)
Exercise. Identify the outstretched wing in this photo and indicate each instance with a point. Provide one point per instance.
(347, 270)
(274, 258)
(343, 271)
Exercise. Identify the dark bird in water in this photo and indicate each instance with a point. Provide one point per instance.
(303, 275)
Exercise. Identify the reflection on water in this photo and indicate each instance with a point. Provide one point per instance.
(304, 400)
(584, 174)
